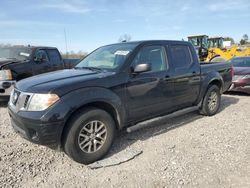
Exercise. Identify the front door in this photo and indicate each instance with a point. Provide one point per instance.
(150, 93)
(43, 65)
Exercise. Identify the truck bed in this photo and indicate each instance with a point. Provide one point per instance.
(224, 69)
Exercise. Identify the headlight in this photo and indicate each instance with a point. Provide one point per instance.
(246, 76)
(40, 102)
(5, 75)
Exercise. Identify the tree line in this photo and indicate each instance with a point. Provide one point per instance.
(124, 38)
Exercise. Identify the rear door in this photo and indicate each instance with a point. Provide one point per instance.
(150, 93)
(55, 59)
(186, 75)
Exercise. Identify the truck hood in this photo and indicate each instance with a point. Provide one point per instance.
(63, 81)
(4, 62)
(241, 70)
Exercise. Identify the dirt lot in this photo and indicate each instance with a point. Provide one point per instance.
(189, 151)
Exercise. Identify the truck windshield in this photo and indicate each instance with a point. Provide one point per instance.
(15, 53)
(107, 57)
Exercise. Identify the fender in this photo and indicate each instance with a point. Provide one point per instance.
(208, 79)
(77, 99)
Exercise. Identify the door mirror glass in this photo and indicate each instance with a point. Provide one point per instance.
(143, 67)
(38, 59)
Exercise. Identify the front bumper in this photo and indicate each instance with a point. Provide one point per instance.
(30, 126)
(6, 87)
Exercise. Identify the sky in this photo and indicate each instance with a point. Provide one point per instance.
(90, 24)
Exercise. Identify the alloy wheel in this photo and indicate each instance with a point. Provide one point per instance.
(92, 136)
(212, 101)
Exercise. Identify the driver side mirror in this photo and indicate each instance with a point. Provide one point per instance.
(144, 67)
(40, 57)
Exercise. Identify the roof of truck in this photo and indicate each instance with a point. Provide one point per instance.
(30, 47)
(153, 41)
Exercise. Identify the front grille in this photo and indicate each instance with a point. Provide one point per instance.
(20, 99)
(14, 97)
(26, 101)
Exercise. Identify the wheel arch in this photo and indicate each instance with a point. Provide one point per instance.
(212, 78)
(103, 105)
(102, 99)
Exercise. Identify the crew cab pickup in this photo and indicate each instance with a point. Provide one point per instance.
(116, 86)
(17, 63)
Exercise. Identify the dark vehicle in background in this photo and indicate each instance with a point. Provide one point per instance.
(241, 78)
(114, 87)
(17, 63)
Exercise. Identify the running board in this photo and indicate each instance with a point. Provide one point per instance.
(172, 115)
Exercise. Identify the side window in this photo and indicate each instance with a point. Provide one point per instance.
(153, 55)
(181, 56)
(41, 55)
(54, 56)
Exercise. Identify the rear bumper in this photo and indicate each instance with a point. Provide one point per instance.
(241, 86)
(6, 87)
(35, 130)
(244, 89)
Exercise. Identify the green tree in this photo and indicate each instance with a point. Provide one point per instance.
(245, 37)
(242, 42)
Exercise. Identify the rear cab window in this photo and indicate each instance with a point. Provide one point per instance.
(54, 56)
(181, 56)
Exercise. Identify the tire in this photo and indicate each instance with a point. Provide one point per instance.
(4, 100)
(211, 101)
(89, 135)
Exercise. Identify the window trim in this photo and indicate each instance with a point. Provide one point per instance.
(165, 58)
(190, 54)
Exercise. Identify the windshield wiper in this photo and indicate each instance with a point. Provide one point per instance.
(90, 68)
(10, 58)
(15, 59)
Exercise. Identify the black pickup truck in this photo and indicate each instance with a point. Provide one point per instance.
(116, 86)
(17, 63)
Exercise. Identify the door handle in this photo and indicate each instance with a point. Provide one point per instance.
(167, 77)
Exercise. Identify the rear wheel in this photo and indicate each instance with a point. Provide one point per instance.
(89, 136)
(211, 101)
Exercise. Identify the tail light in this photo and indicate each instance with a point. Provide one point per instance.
(232, 71)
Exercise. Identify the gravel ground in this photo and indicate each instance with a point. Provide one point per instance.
(189, 151)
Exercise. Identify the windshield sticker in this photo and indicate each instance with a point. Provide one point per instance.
(121, 52)
(24, 54)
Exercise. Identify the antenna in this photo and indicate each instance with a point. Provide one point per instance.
(66, 44)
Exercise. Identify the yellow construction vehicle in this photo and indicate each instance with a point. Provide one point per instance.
(212, 50)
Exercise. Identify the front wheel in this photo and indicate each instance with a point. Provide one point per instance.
(89, 136)
(211, 101)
